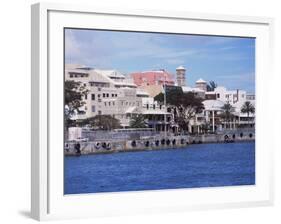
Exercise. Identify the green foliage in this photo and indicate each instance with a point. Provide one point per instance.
(211, 86)
(248, 108)
(227, 114)
(184, 105)
(74, 92)
(101, 122)
(138, 121)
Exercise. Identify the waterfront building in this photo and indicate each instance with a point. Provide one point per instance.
(236, 98)
(110, 93)
(157, 115)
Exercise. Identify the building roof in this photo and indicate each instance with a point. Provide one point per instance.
(148, 78)
(213, 104)
(142, 92)
(110, 73)
(180, 68)
(190, 89)
(201, 81)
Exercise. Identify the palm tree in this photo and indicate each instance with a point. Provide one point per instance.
(248, 108)
(227, 113)
(138, 121)
(211, 86)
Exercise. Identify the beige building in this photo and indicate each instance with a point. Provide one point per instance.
(110, 93)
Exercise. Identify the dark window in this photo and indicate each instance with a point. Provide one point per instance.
(86, 96)
(103, 94)
(98, 95)
(112, 95)
(71, 76)
(93, 96)
(93, 108)
(107, 95)
(99, 112)
(218, 95)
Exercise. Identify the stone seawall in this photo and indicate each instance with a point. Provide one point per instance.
(153, 143)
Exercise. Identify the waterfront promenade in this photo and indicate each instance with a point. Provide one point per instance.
(155, 142)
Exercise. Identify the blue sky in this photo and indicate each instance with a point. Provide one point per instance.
(229, 61)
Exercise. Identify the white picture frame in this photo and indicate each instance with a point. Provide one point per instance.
(48, 201)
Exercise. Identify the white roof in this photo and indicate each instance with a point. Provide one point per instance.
(190, 89)
(180, 68)
(110, 73)
(201, 81)
(213, 104)
(142, 92)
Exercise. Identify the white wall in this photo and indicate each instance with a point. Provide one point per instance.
(15, 110)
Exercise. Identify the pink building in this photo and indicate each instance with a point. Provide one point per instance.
(150, 78)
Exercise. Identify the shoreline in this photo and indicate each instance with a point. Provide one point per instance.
(153, 148)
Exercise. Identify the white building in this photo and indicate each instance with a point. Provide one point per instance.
(110, 93)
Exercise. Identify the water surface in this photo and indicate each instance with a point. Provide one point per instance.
(204, 165)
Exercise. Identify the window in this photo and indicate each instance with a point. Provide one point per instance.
(99, 112)
(108, 103)
(103, 95)
(113, 103)
(112, 95)
(86, 96)
(153, 106)
(107, 95)
(104, 103)
(71, 75)
(93, 108)
(115, 95)
(93, 96)
(218, 95)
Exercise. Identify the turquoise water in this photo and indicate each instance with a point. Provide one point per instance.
(203, 165)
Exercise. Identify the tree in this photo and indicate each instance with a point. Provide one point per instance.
(138, 121)
(74, 94)
(211, 86)
(101, 122)
(184, 105)
(248, 108)
(227, 114)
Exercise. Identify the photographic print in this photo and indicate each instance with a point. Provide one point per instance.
(157, 111)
